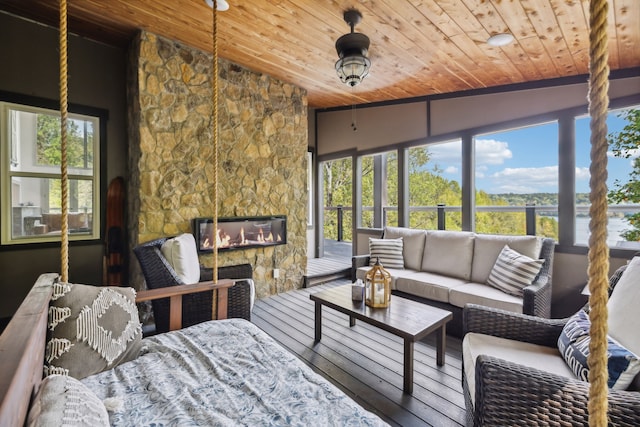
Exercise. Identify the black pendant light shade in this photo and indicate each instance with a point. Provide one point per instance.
(352, 48)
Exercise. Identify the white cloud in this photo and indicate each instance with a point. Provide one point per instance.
(525, 180)
(492, 152)
(451, 170)
(488, 151)
(582, 173)
(448, 152)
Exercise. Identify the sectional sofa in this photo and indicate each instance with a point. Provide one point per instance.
(449, 269)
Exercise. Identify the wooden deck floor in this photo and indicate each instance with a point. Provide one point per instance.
(322, 270)
(366, 362)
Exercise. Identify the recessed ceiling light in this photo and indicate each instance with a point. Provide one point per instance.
(501, 39)
(222, 4)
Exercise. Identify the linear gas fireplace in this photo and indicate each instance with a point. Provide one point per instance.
(240, 232)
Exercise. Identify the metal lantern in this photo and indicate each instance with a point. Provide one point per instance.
(377, 286)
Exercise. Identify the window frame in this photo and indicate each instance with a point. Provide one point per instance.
(97, 177)
(566, 166)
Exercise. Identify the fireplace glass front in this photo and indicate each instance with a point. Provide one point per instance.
(240, 232)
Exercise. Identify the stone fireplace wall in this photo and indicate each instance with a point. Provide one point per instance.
(262, 154)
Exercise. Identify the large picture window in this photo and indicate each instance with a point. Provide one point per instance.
(31, 176)
(623, 164)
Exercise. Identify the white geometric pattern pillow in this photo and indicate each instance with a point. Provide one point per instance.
(91, 328)
(513, 272)
(387, 251)
(64, 401)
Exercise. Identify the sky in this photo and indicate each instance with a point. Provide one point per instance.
(525, 160)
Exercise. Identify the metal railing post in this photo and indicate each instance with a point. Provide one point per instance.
(441, 216)
(339, 213)
(530, 215)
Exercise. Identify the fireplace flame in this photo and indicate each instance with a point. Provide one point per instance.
(233, 235)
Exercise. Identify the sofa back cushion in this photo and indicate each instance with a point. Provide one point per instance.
(487, 247)
(449, 253)
(413, 244)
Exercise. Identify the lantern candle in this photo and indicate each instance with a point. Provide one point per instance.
(378, 286)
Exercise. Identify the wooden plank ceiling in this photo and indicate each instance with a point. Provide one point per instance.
(418, 47)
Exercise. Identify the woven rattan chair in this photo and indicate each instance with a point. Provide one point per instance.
(507, 393)
(196, 308)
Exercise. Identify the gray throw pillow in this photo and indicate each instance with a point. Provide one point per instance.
(64, 401)
(90, 329)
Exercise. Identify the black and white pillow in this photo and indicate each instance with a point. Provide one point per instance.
(91, 328)
(513, 272)
(387, 251)
(573, 343)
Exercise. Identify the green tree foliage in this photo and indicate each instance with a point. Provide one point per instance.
(49, 141)
(427, 188)
(79, 154)
(625, 144)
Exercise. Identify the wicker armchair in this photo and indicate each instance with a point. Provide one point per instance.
(158, 273)
(508, 393)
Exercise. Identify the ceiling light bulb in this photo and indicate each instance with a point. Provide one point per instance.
(501, 39)
(222, 4)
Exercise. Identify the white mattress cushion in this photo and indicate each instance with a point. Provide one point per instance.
(547, 359)
(413, 244)
(449, 253)
(428, 285)
(479, 293)
(182, 255)
(622, 306)
(487, 247)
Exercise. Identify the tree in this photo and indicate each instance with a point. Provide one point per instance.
(626, 144)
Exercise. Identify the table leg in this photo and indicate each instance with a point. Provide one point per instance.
(318, 322)
(352, 321)
(408, 366)
(441, 341)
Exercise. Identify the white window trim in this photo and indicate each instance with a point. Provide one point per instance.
(6, 178)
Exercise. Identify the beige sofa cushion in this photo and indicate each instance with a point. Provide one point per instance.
(413, 244)
(487, 247)
(479, 293)
(449, 253)
(547, 359)
(432, 286)
(361, 272)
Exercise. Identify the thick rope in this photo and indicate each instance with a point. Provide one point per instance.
(64, 179)
(214, 131)
(598, 250)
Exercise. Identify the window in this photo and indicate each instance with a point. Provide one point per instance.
(621, 165)
(516, 168)
(31, 177)
(379, 190)
(435, 176)
(337, 187)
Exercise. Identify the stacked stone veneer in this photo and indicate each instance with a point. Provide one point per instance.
(261, 157)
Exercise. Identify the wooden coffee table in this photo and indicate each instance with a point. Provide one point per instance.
(404, 318)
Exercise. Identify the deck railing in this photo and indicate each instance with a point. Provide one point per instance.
(343, 214)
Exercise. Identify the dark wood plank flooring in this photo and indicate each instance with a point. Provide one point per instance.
(322, 270)
(366, 362)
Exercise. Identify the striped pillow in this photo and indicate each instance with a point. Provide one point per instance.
(388, 251)
(513, 272)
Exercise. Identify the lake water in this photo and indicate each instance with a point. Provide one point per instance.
(614, 228)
